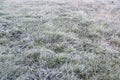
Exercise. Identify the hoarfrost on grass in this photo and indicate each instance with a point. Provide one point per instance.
(59, 40)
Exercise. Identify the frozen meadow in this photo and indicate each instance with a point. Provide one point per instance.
(59, 39)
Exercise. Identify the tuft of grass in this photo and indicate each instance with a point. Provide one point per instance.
(70, 77)
(86, 23)
(118, 34)
(59, 48)
(3, 41)
(115, 42)
(38, 43)
(57, 61)
(2, 34)
(93, 35)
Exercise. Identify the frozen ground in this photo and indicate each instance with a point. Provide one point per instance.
(59, 40)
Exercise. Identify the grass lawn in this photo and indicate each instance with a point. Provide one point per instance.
(59, 40)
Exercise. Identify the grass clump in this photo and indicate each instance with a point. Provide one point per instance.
(115, 42)
(57, 61)
(38, 43)
(2, 34)
(3, 41)
(93, 35)
(59, 48)
(86, 23)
